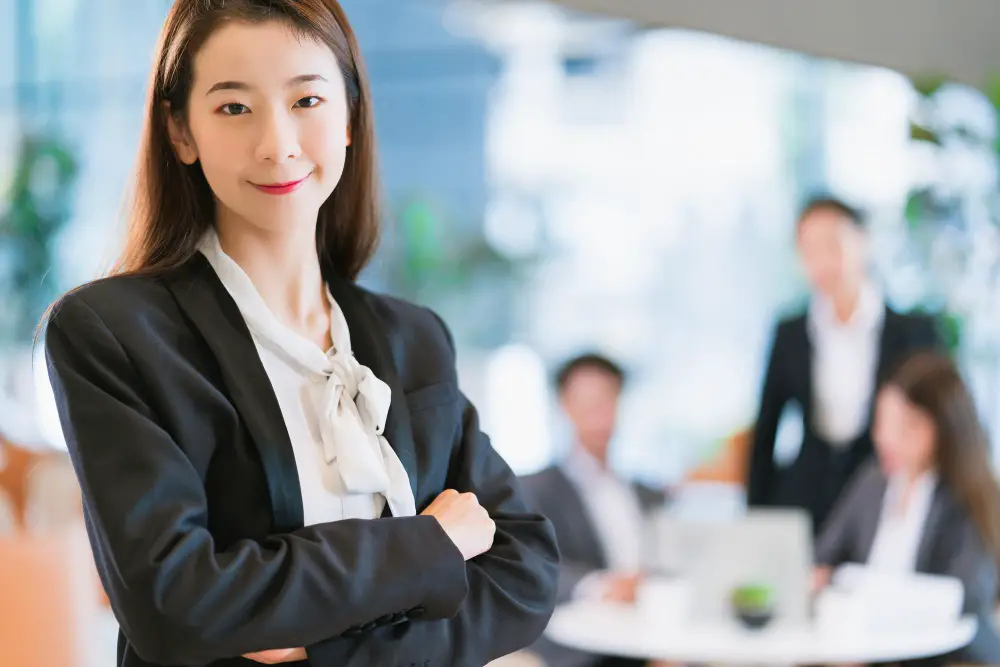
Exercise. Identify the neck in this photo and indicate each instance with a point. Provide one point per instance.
(600, 458)
(846, 302)
(284, 268)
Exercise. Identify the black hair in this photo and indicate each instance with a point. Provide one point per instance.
(830, 203)
(589, 360)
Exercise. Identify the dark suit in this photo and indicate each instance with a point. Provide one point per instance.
(949, 545)
(193, 506)
(552, 493)
(817, 476)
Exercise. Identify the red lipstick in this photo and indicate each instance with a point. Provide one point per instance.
(280, 188)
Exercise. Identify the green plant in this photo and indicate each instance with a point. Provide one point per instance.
(753, 597)
(952, 223)
(37, 207)
(433, 259)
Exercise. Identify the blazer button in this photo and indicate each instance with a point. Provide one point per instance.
(416, 612)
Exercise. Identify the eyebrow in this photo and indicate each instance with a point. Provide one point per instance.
(240, 85)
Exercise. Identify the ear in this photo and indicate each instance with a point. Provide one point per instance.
(348, 135)
(180, 137)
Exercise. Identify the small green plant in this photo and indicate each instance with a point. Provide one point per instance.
(753, 597)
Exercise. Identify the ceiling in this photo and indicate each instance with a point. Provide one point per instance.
(959, 39)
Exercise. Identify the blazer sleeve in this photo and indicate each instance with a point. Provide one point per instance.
(972, 564)
(511, 587)
(774, 396)
(179, 598)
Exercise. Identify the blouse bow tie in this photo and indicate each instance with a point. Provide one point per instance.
(355, 405)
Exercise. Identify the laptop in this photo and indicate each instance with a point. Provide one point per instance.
(766, 546)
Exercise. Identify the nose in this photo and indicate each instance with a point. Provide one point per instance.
(279, 138)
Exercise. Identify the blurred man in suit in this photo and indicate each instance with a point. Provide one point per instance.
(599, 518)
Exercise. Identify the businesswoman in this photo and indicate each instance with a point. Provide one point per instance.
(828, 362)
(930, 502)
(275, 462)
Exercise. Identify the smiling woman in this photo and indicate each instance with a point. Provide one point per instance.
(277, 464)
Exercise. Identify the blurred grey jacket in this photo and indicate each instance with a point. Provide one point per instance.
(950, 545)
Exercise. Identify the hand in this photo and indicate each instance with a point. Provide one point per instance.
(621, 588)
(821, 578)
(277, 656)
(464, 520)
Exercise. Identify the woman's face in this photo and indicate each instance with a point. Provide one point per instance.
(832, 251)
(268, 121)
(904, 435)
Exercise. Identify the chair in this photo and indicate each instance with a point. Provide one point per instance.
(48, 602)
(8, 520)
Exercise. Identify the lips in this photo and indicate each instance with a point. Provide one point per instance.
(280, 188)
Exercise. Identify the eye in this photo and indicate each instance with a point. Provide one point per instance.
(234, 109)
(309, 102)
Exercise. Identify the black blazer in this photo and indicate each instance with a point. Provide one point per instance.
(817, 476)
(949, 545)
(193, 506)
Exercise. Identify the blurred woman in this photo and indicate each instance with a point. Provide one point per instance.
(930, 503)
(829, 362)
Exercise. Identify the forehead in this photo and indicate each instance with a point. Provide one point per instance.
(591, 377)
(261, 53)
(892, 398)
(827, 223)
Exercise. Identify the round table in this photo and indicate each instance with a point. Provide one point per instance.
(625, 631)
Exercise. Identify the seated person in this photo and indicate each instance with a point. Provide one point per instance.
(598, 517)
(930, 503)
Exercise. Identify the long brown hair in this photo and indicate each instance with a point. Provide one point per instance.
(172, 204)
(932, 383)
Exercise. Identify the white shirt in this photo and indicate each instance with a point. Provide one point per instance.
(845, 363)
(897, 538)
(334, 409)
(613, 508)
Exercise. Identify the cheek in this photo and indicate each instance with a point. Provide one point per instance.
(325, 142)
(219, 151)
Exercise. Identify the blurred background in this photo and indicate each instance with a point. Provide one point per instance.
(612, 175)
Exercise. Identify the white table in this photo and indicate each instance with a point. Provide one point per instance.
(610, 629)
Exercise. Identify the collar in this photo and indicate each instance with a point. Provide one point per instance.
(868, 315)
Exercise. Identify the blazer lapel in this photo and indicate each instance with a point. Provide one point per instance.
(868, 521)
(572, 505)
(370, 345)
(931, 529)
(204, 299)
(804, 351)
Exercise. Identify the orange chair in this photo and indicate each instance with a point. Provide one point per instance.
(48, 599)
(729, 466)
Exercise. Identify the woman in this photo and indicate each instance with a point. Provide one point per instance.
(275, 462)
(931, 502)
(829, 362)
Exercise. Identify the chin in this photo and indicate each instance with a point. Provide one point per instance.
(889, 468)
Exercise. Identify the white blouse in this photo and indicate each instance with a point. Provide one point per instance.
(845, 362)
(900, 529)
(333, 407)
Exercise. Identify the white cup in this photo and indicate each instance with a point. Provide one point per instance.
(664, 600)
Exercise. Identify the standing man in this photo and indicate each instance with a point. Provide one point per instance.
(830, 362)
